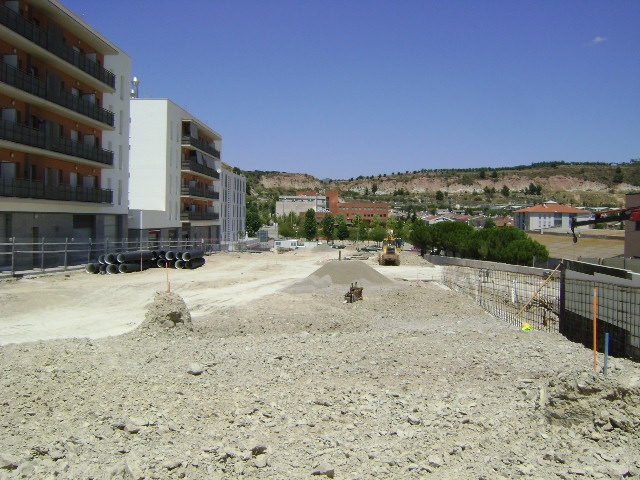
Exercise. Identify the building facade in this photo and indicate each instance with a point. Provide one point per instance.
(64, 126)
(233, 206)
(299, 203)
(330, 203)
(548, 215)
(180, 190)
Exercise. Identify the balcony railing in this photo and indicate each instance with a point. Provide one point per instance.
(195, 216)
(196, 167)
(17, 187)
(30, 84)
(14, 132)
(200, 145)
(53, 42)
(200, 192)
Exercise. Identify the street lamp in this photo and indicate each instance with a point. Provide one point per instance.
(134, 84)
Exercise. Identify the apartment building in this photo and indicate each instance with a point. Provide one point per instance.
(64, 126)
(548, 215)
(233, 205)
(179, 189)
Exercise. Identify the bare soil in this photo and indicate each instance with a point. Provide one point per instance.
(275, 376)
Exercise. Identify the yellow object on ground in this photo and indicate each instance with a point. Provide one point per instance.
(527, 326)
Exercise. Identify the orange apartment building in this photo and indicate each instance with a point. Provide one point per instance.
(64, 126)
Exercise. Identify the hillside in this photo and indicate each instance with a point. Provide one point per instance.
(590, 184)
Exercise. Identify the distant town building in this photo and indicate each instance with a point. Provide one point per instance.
(548, 215)
(329, 203)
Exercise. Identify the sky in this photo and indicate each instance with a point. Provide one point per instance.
(345, 88)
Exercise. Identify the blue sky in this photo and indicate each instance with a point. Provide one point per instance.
(342, 88)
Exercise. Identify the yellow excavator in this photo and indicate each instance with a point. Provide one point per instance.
(390, 254)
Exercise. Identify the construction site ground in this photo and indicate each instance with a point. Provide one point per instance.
(275, 376)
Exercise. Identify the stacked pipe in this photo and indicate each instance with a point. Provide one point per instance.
(113, 263)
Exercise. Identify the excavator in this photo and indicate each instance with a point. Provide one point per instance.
(390, 254)
(607, 216)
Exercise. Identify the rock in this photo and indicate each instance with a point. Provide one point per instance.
(195, 369)
(324, 470)
(260, 461)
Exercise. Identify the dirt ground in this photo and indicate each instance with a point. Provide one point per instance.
(587, 246)
(255, 367)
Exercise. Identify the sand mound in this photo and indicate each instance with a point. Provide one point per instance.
(167, 310)
(341, 274)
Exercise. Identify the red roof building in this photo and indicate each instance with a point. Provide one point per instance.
(548, 215)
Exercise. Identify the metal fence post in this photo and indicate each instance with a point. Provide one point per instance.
(42, 255)
(66, 252)
(89, 251)
(13, 256)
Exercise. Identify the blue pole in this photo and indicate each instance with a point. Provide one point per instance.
(606, 351)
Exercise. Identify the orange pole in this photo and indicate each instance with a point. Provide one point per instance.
(595, 325)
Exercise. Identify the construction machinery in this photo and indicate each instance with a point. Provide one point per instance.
(390, 254)
(607, 216)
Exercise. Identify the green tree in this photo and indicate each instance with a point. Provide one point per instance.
(439, 196)
(328, 226)
(505, 191)
(253, 221)
(342, 231)
(618, 176)
(376, 221)
(421, 237)
(490, 223)
(310, 226)
(374, 188)
(286, 230)
(359, 229)
(378, 233)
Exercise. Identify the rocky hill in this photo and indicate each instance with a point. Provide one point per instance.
(584, 183)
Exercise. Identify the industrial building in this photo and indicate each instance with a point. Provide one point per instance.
(330, 203)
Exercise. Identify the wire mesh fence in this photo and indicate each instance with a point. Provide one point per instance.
(25, 256)
(515, 297)
(617, 310)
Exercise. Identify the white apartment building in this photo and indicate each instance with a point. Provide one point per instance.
(548, 215)
(64, 126)
(179, 189)
(233, 206)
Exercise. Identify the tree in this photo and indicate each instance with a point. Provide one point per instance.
(618, 177)
(286, 230)
(490, 223)
(421, 237)
(439, 196)
(342, 231)
(378, 233)
(374, 188)
(309, 226)
(360, 229)
(253, 222)
(328, 226)
(505, 191)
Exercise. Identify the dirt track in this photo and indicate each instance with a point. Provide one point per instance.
(280, 378)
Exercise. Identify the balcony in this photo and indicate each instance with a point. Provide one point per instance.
(199, 192)
(16, 187)
(17, 133)
(193, 166)
(33, 85)
(53, 42)
(198, 216)
(200, 145)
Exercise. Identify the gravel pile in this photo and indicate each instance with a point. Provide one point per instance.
(413, 381)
